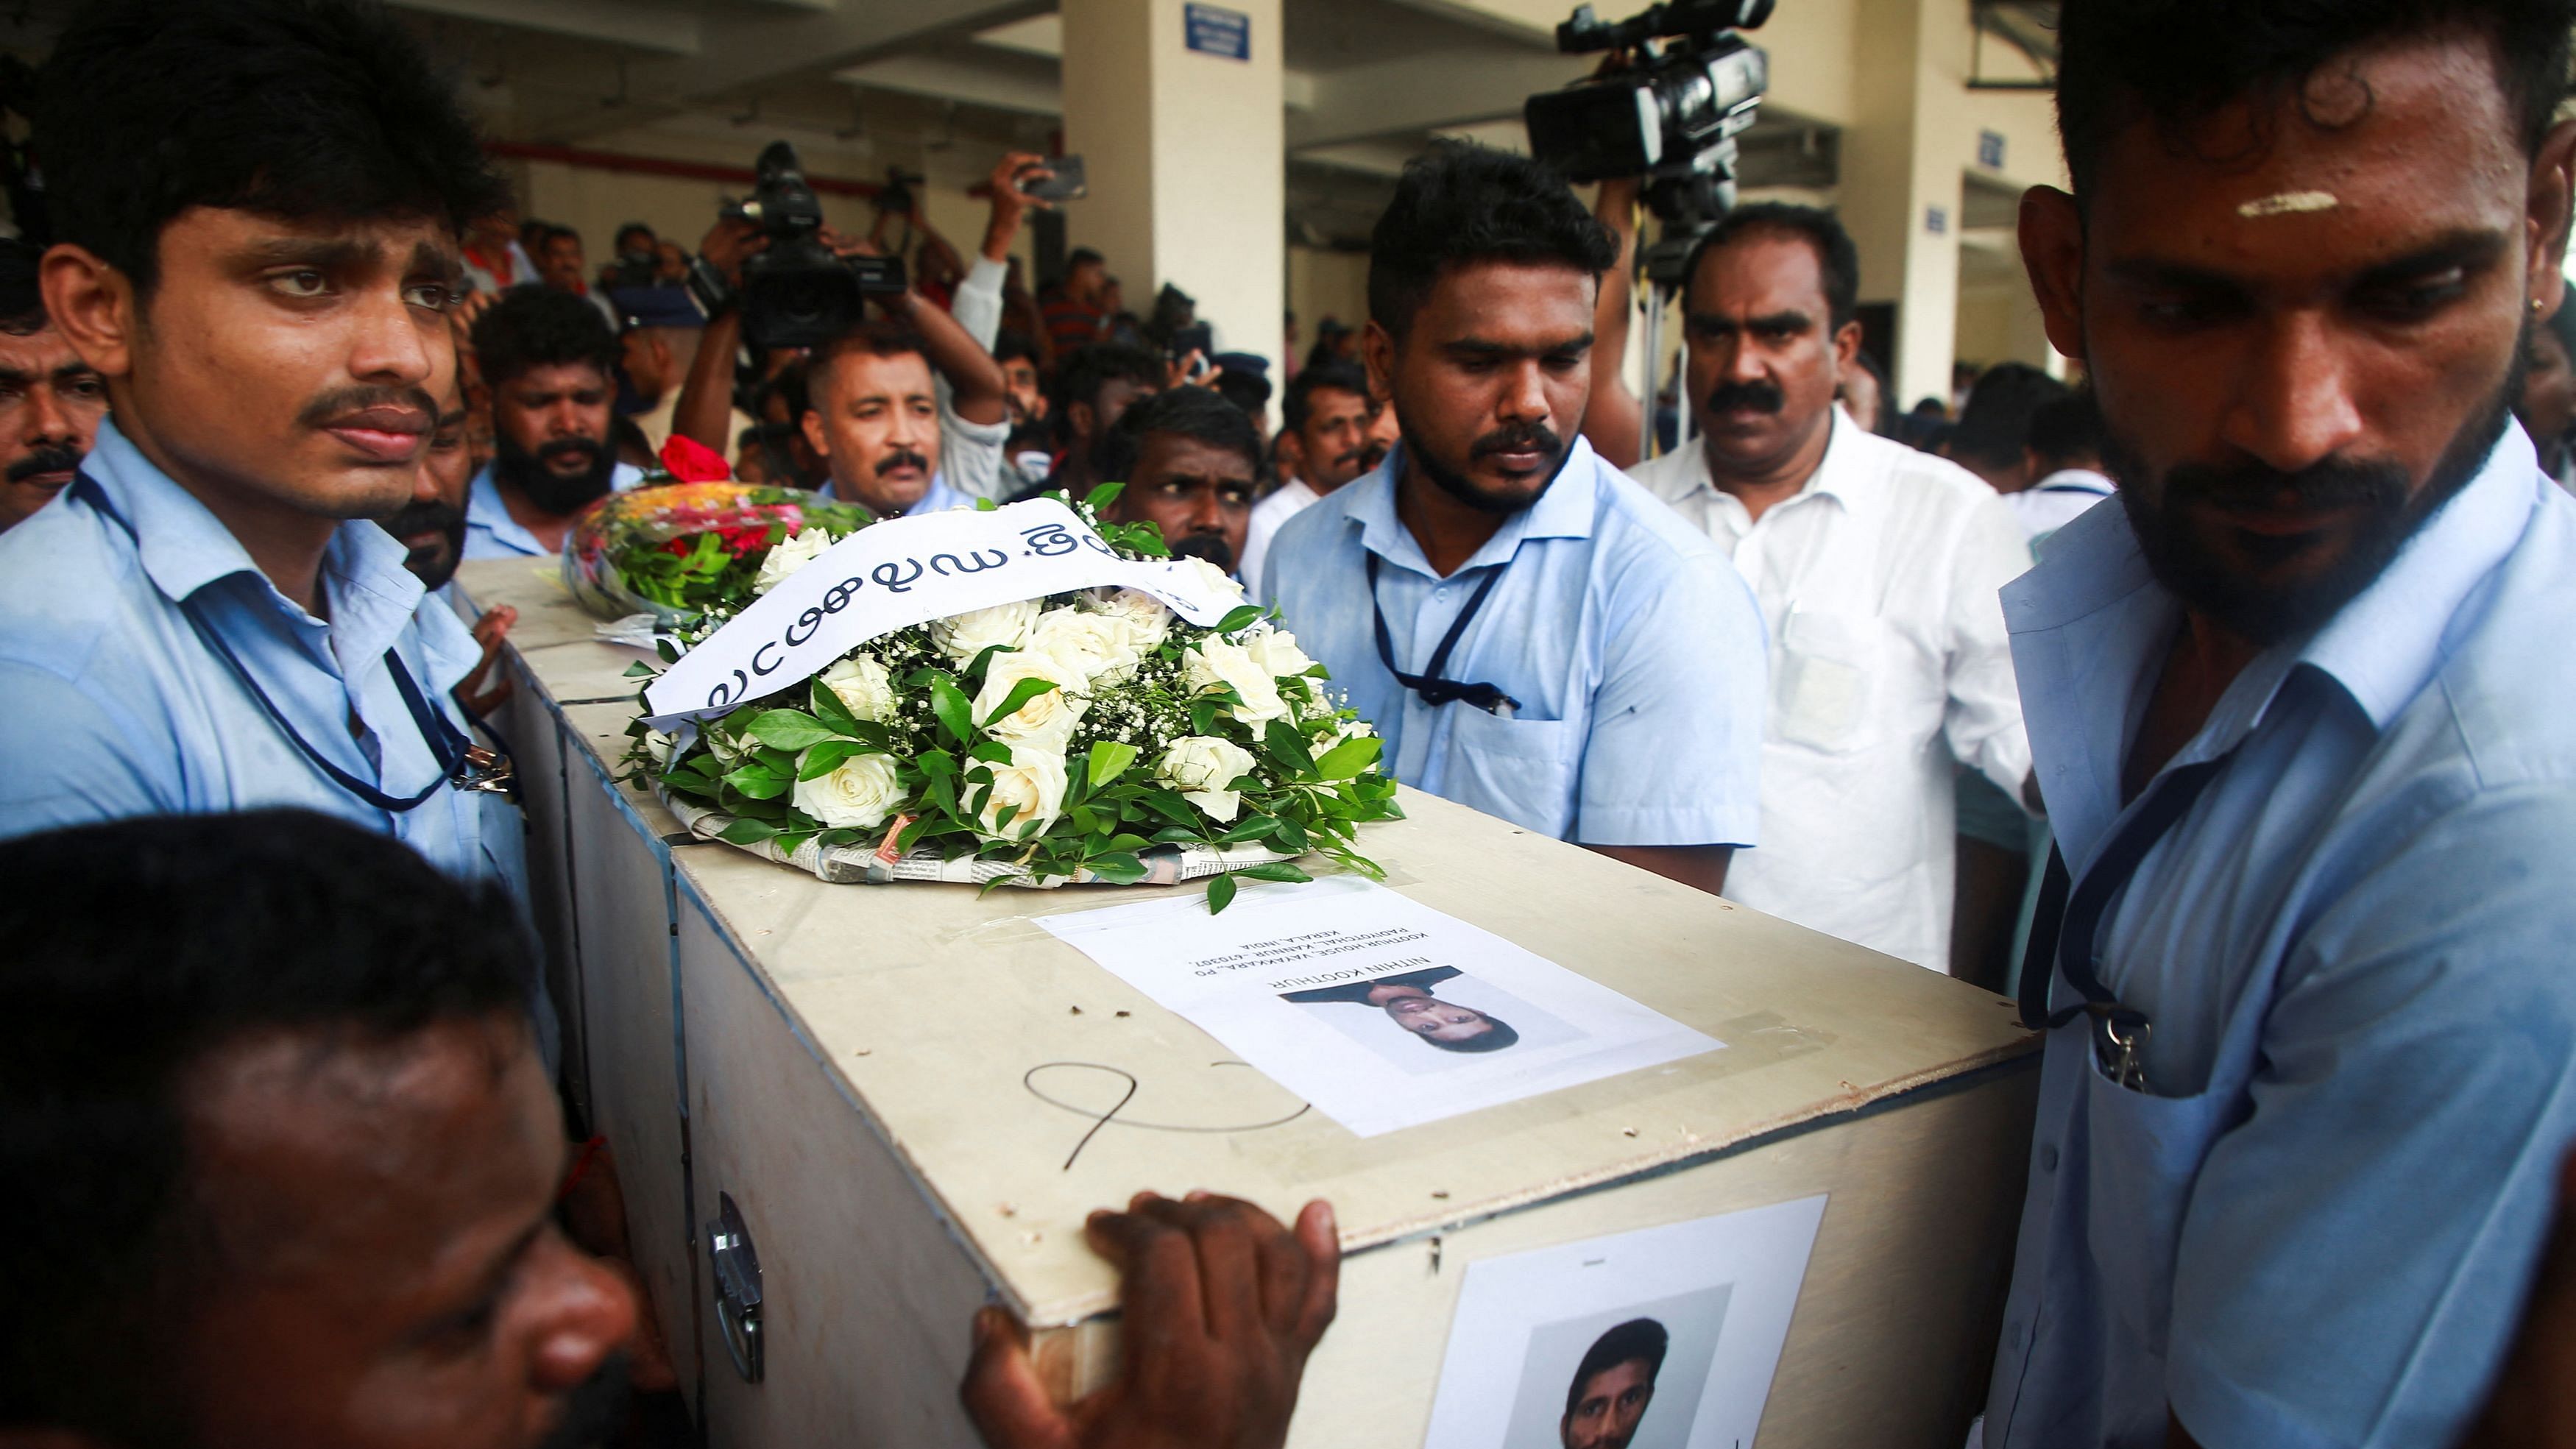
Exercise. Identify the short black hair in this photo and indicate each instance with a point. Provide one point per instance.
(1012, 345)
(1837, 260)
(2176, 62)
(1501, 1036)
(1637, 1340)
(532, 327)
(22, 301)
(1459, 203)
(1083, 372)
(305, 110)
(1994, 427)
(632, 227)
(2068, 430)
(1191, 412)
(555, 234)
(1330, 376)
(1083, 256)
(267, 921)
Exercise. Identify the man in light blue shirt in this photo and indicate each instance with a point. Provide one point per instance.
(550, 364)
(207, 620)
(1534, 634)
(2302, 716)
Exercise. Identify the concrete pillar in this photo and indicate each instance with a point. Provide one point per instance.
(1898, 184)
(1186, 156)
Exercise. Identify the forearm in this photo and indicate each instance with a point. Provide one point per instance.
(705, 410)
(978, 303)
(974, 379)
(1703, 866)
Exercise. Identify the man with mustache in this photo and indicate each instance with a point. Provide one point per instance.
(2300, 706)
(549, 363)
(878, 419)
(1191, 462)
(1533, 634)
(258, 207)
(50, 400)
(1327, 414)
(432, 527)
(1877, 568)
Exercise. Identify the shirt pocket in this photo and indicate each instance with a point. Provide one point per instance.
(1833, 676)
(2142, 1154)
(1521, 770)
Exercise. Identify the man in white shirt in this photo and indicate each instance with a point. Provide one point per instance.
(1328, 411)
(1876, 567)
(2066, 457)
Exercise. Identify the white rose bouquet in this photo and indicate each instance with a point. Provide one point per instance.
(1085, 737)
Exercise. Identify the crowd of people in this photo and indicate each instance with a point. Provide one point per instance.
(2242, 770)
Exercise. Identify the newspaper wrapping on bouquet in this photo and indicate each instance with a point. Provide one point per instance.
(1021, 695)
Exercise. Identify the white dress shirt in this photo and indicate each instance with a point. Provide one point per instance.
(2057, 500)
(1888, 663)
(1285, 502)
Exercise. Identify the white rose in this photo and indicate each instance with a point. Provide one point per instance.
(1201, 767)
(791, 553)
(864, 688)
(727, 748)
(1083, 645)
(1211, 663)
(861, 795)
(1043, 723)
(1032, 784)
(658, 743)
(1147, 621)
(1276, 650)
(1208, 576)
(966, 635)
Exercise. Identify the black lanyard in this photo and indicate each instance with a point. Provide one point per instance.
(1429, 684)
(2062, 932)
(447, 744)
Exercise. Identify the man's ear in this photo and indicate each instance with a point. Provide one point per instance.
(94, 306)
(1846, 350)
(2052, 251)
(2553, 186)
(815, 437)
(1377, 352)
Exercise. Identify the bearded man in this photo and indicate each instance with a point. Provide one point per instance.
(549, 361)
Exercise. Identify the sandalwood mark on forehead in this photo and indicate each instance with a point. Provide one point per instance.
(2289, 203)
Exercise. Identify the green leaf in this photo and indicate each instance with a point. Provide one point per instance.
(641, 670)
(1109, 760)
(936, 763)
(829, 709)
(1220, 893)
(1288, 746)
(991, 752)
(1102, 496)
(790, 729)
(1179, 835)
(1290, 837)
(1117, 868)
(758, 781)
(949, 704)
(1084, 818)
(1203, 712)
(1249, 828)
(1240, 617)
(826, 757)
(1125, 841)
(1347, 759)
(1021, 693)
(747, 832)
(1278, 870)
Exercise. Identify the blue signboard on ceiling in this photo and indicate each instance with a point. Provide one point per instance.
(1215, 30)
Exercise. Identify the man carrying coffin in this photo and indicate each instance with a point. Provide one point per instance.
(259, 207)
(1536, 636)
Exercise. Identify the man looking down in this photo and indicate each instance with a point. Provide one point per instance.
(2300, 709)
(550, 364)
(1535, 635)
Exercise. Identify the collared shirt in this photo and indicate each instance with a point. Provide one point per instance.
(1634, 650)
(2058, 500)
(119, 707)
(2318, 1224)
(1285, 502)
(1888, 662)
(490, 531)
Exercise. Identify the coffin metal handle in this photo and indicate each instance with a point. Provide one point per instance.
(737, 1275)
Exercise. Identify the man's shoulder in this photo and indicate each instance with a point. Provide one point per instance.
(2502, 694)
(66, 578)
(1640, 532)
(1670, 477)
(1314, 523)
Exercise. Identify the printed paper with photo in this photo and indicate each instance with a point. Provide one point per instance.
(1381, 1011)
(1664, 1338)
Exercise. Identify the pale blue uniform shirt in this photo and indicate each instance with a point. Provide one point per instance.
(2318, 1226)
(118, 707)
(1634, 648)
(490, 531)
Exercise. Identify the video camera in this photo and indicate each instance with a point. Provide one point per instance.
(798, 293)
(1671, 120)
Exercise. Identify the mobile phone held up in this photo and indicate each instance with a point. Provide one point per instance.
(1066, 184)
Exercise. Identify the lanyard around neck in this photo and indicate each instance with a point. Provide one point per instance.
(1429, 684)
(447, 744)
